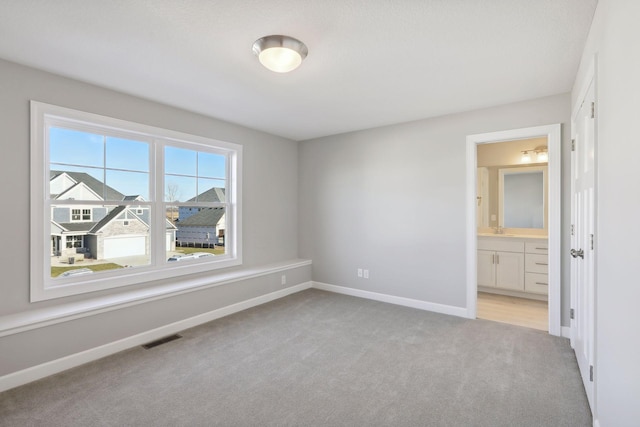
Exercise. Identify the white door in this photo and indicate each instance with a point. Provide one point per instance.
(116, 247)
(582, 248)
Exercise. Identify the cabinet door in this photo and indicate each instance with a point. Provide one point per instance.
(486, 268)
(510, 270)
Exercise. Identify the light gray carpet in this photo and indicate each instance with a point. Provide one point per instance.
(320, 359)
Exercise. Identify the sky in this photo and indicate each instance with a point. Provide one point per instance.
(124, 163)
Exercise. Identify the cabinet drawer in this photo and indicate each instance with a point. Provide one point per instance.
(536, 283)
(535, 263)
(500, 244)
(536, 247)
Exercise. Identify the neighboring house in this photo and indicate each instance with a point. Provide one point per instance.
(202, 227)
(101, 232)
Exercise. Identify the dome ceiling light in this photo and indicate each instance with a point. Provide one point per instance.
(280, 53)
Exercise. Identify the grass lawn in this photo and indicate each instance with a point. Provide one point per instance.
(219, 250)
(56, 271)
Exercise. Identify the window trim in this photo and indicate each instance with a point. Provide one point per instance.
(42, 286)
(81, 214)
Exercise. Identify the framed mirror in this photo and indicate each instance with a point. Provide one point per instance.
(522, 197)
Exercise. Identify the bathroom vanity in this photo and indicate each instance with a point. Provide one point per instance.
(515, 265)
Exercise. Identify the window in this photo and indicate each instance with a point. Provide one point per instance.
(75, 241)
(80, 214)
(127, 195)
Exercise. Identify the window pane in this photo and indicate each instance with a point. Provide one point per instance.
(211, 165)
(72, 147)
(211, 190)
(77, 183)
(128, 184)
(116, 237)
(198, 229)
(127, 154)
(179, 188)
(179, 161)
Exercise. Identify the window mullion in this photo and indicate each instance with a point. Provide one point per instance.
(158, 231)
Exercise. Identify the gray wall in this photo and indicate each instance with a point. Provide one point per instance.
(270, 198)
(392, 200)
(614, 39)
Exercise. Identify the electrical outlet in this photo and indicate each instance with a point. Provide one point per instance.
(366, 274)
(283, 280)
(359, 272)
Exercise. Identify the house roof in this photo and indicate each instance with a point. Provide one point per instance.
(119, 210)
(77, 227)
(208, 217)
(103, 190)
(214, 194)
(107, 219)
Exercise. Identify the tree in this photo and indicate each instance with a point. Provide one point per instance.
(172, 195)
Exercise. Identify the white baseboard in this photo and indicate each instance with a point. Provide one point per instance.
(392, 299)
(34, 373)
(566, 332)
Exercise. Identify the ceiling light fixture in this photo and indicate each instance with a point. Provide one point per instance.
(280, 53)
(526, 157)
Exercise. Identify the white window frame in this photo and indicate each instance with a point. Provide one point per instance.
(81, 214)
(43, 287)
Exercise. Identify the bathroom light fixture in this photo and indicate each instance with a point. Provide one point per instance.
(542, 154)
(280, 53)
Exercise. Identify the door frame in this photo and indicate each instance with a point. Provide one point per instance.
(553, 133)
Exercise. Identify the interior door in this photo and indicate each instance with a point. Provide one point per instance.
(582, 236)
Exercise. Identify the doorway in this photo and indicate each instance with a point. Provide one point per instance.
(512, 226)
(515, 259)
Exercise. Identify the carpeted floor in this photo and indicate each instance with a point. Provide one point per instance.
(320, 359)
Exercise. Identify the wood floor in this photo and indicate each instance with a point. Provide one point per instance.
(516, 311)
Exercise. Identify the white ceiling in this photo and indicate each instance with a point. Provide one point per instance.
(370, 63)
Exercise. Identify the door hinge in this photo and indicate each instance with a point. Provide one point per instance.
(572, 314)
(591, 373)
(591, 241)
(573, 229)
(593, 110)
(573, 145)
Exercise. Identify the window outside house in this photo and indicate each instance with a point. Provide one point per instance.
(122, 198)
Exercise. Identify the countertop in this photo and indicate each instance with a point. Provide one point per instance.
(519, 236)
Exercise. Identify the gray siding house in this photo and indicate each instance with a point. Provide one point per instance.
(202, 227)
(115, 230)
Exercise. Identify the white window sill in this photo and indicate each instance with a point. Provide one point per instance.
(38, 318)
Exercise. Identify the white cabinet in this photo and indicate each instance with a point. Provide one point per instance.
(486, 268)
(509, 269)
(501, 264)
(513, 264)
(536, 279)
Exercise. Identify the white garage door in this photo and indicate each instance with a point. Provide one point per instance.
(116, 247)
